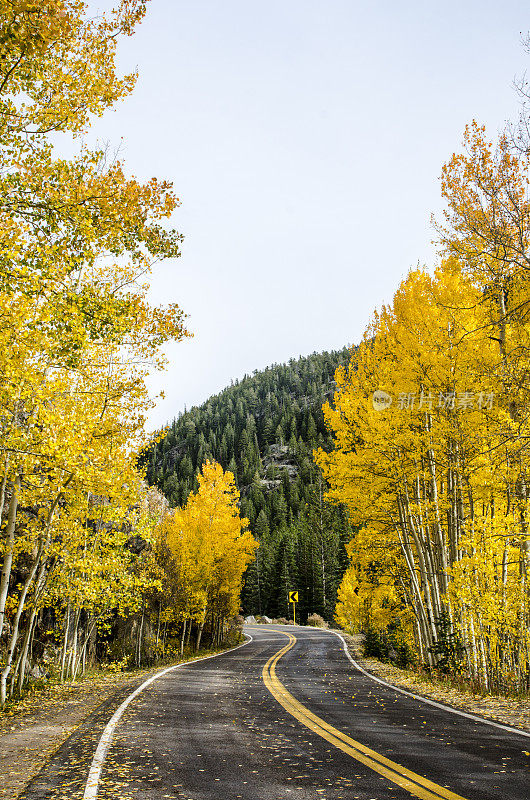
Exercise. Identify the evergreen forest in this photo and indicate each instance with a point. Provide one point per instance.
(264, 429)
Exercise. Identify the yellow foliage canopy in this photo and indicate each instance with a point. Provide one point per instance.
(210, 546)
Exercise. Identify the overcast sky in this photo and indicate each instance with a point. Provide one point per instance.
(305, 139)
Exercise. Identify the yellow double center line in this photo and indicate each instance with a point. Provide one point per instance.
(417, 785)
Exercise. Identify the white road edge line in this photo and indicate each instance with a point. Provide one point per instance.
(421, 699)
(92, 784)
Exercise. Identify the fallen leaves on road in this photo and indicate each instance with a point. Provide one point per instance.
(508, 711)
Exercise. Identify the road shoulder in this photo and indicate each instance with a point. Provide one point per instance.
(507, 711)
(32, 731)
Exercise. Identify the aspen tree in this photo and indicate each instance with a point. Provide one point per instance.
(429, 476)
(77, 334)
(211, 548)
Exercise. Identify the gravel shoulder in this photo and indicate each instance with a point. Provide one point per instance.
(32, 731)
(508, 711)
(35, 728)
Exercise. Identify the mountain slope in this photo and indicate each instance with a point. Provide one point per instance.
(264, 429)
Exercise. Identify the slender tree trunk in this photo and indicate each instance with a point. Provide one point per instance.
(28, 637)
(164, 639)
(22, 665)
(140, 637)
(3, 490)
(8, 551)
(157, 630)
(199, 635)
(16, 623)
(91, 624)
(423, 609)
(65, 642)
(72, 660)
(182, 637)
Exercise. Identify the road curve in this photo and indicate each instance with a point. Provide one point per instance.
(286, 716)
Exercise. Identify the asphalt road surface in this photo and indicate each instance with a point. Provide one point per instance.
(285, 717)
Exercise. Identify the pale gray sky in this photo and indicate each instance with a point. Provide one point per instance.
(305, 139)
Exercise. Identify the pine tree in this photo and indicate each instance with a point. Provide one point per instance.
(242, 427)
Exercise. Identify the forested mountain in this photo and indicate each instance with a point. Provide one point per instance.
(264, 429)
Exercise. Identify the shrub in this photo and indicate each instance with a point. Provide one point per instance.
(119, 666)
(375, 644)
(388, 645)
(316, 621)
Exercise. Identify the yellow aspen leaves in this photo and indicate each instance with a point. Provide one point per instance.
(78, 335)
(435, 479)
(209, 547)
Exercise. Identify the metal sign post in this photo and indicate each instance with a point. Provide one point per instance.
(293, 598)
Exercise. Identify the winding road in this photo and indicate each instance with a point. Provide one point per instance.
(285, 716)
